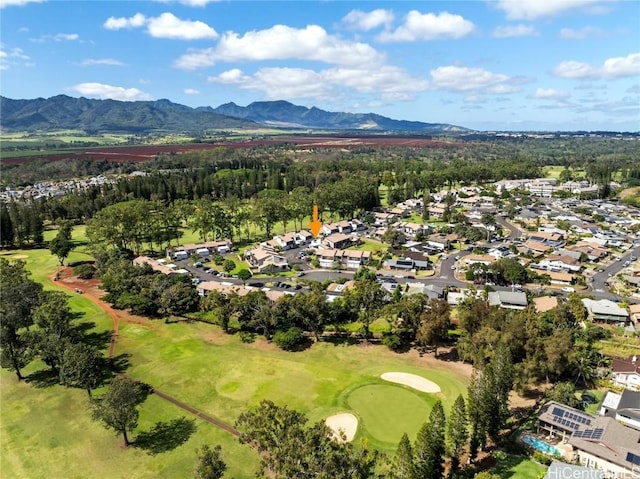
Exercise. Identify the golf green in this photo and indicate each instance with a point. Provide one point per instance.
(388, 411)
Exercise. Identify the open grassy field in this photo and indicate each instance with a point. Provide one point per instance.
(46, 429)
(222, 376)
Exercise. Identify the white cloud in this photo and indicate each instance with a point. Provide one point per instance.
(533, 9)
(584, 32)
(634, 88)
(281, 42)
(616, 67)
(17, 3)
(65, 36)
(386, 82)
(14, 57)
(119, 23)
(474, 80)
(359, 20)
(101, 61)
(508, 31)
(168, 25)
(58, 37)
(550, 94)
(100, 90)
(191, 91)
(428, 26)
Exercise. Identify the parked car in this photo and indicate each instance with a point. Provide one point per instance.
(197, 264)
(300, 273)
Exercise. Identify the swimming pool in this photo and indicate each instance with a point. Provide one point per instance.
(542, 446)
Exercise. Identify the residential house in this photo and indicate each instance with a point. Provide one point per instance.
(406, 264)
(559, 278)
(559, 420)
(605, 310)
(436, 211)
(303, 237)
(223, 287)
(441, 242)
(351, 259)
(485, 259)
(634, 312)
(159, 265)
(329, 229)
(212, 247)
(610, 446)
(357, 225)
(508, 299)
(286, 241)
(383, 218)
(626, 372)
(554, 262)
(429, 290)
(338, 241)
(623, 407)
(536, 248)
(412, 229)
(545, 303)
(344, 227)
(262, 257)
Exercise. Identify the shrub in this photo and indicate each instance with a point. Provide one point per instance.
(288, 339)
(84, 271)
(217, 259)
(392, 341)
(247, 336)
(542, 458)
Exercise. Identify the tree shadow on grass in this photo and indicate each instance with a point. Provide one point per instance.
(43, 378)
(120, 363)
(166, 436)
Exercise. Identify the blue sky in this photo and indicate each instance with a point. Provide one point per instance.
(488, 65)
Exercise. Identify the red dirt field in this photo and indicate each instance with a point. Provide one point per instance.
(142, 153)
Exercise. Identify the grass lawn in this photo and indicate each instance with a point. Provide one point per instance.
(47, 429)
(222, 376)
(382, 412)
(370, 245)
(518, 467)
(48, 433)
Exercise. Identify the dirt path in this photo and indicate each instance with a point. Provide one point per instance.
(90, 290)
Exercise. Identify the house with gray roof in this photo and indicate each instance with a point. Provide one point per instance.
(610, 446)
(508, 299)
(605, 310)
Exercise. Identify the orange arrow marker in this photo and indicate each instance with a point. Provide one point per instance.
(315, 223)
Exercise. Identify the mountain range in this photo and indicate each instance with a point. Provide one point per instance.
(65, 112)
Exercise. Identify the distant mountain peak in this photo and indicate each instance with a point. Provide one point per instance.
(65, 112)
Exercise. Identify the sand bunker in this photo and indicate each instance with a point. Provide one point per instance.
(345, 422)
(413, 381)
(19, 256)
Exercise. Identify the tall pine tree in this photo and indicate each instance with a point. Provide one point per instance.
(403, 467)
(430, 445)
(457, 432)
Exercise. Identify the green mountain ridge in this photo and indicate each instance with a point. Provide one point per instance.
(65, 112)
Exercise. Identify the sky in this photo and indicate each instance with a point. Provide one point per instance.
(508, 65)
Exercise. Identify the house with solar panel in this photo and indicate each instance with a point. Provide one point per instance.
(560, 421)
(610, 446)
(597, 442)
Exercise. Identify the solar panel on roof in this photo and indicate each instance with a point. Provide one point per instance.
(577, 434)
(597, 434)
(558, 412)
